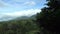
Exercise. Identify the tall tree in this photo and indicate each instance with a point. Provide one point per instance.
(49, 17)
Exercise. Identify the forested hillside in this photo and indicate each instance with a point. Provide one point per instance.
(19, 26)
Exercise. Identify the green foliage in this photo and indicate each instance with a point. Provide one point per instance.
(23, 26)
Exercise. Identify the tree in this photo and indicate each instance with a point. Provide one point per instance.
(49, 17)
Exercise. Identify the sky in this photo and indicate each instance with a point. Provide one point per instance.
(15, 8)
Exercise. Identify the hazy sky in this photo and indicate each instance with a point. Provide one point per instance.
(20, 7)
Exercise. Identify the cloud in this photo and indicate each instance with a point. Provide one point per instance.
(16, 3)
(2, 5)
(31, 3)
(23, 13)
(9, 16)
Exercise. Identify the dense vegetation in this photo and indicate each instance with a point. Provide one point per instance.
(19, 26)
(49, 17)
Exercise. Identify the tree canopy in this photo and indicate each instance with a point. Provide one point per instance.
(49, 17)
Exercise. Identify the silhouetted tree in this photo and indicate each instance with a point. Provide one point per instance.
(49, 17)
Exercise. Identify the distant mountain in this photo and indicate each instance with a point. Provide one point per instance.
(21, 17)
(24, 18)
(7, 18)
